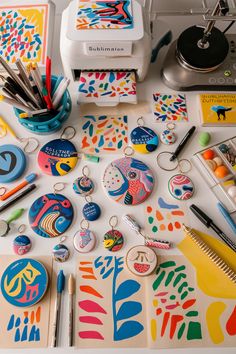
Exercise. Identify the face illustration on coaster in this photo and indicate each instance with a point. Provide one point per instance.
(181, 187)
(128, 181)
(58, 157)
(144, 140)
(141, 260)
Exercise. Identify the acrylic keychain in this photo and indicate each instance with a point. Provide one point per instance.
(5, 128)
(113, 239)
(84, 239)
(127, 180)
(91, 211)
(22, 243)
(144, 140)
(61, 252)
(180, 186)
(51, 214)
(83, 186)
(168, 137)
(58, 157)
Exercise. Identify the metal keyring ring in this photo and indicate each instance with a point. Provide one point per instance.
(84, 170)
(28, 140)
(128, 148)
(115, 218)
(164, 168)
(58, 187)
(187, 170)
(84, 221)
(63, 238)
(21, 228)
(88, 199)
(3, 189)
(70, 136)
(140, 122)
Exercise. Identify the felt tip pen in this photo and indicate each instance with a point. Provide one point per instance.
(71, 291)
(210, 224)
(56, 321)
(40, 112)
(28, 179)
(182, 143)
(13, 103)
(60, 92)
(47, 98)
(17, 197)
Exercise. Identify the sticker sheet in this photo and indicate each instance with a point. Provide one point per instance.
(169, 108)
(23, 33)
(107, 86)
(104, 134)
(24, 327)
(104, 14)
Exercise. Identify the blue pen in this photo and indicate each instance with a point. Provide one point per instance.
(56, 321)
(227, 216)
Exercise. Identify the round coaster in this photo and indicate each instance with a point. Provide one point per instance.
(141, 260)
(12, 163)
(51, 215)
(60, 253)
(168, 137)
(83, 186)
(128, 181)
(24, 282)
(58, 157)
(91, 211)
(113, 240)
(181, 187)
(144, 140)
(21, 245)
(84, 241)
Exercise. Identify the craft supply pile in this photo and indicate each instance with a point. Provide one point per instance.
(140, 276)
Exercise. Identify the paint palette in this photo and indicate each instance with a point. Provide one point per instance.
(24, 282)
(217, 165)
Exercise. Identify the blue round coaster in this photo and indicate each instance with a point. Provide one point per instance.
(24, 282)
(144, 140)
(51, 215)
(12, 163)
(91, 211)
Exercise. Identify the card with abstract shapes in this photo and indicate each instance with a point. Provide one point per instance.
(109, 14)
(23, 34)
(169, 108)
(104, 134)
(25, 327)
(107, 86)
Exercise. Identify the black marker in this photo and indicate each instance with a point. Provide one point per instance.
(210, 224)
(17, 197)
(182, 143)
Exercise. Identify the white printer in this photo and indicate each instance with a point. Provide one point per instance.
(105, 49)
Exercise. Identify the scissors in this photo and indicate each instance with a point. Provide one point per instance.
(5, 128)
(5, 224)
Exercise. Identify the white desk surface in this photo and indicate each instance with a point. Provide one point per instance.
(203, 196)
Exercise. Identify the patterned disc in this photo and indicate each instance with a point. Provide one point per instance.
(168, 137)
(128, 181)
(21, 245)
(60, 253)
(144, 140)
(83, 186)
(24, 282)
(84, 241)
(51, 215)
(113, 240)
(141, 260)
(181, 187)
(57, 157)
(91, 211)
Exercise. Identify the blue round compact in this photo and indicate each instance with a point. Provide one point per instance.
(51, 215)
(144, 140)
(24, 282)
(12, 163)
(91, 211)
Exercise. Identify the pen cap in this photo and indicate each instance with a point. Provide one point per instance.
(71, 285)
(60, 282)
(31, 178)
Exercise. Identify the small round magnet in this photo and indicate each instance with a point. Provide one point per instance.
(141, 260)
(84, 239)
(91, 211)
(181, 187)
(168, 137)
(60, 253)
(144, 140)
(12, 163)
(21, 245)
(113, 240)
(83, 185)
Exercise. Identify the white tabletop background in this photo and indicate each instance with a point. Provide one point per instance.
(203, 196)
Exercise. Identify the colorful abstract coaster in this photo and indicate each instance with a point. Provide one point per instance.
(23, 33)
(104, 134)
(181, 187)
(102, 14)
(107, 87)
(169, 108)
(24, 282)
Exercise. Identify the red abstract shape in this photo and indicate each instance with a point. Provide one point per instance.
(90, 335)
(170, 226)
(188, 303)
(90, 320)
(172, 307)
(231, 323)
(162, 293)
(158, 311)
(177, 225)
(174, 321)
(90, 290)
(164, 323)
(91, 306)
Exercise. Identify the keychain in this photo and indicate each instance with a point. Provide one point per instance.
(22, 243)
(58, 157)
(5, 224)
(84, 239)
(144, 140)
(61, 252)
(127, 180)
(83, 186)
(91, 211)
(5, 128)
(180, 186)
(113, 239)
(51, 214)
(168, 137)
